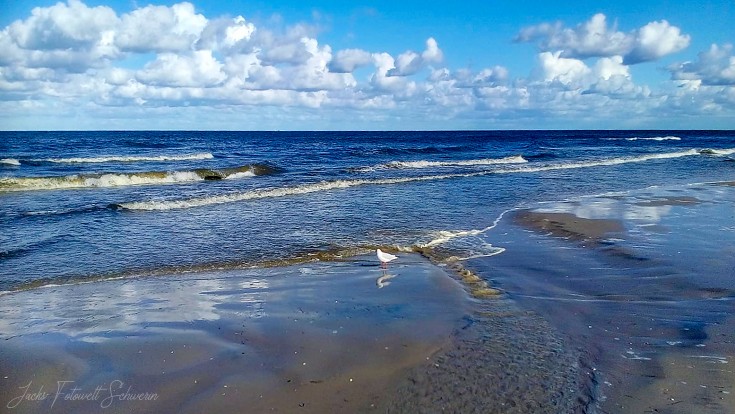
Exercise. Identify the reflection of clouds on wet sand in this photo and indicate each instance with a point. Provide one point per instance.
(612, 209)
(280, 338)
(655, 299)
(646, 214)
(127, 305)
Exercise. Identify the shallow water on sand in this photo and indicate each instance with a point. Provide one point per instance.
(637, 281)
(87, 205)
(340, 336)
(651, 299)
(314, 337)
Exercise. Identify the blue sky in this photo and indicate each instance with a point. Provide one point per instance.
(378, 65)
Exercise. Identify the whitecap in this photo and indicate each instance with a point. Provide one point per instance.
(239, 175)
(128, 158)
(10, 161)
(94, 181)
(343, 184)
(666, 138)
(516, 159)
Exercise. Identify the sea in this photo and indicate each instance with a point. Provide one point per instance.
(79, 206)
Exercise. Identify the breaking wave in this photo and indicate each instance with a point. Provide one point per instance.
(604, 162)
(128, 179)
(721, 152)
(272, 192)
(10, 161)
(517, 159)
(130, 158)
(666, 138)
(457, 245)
(342, 184)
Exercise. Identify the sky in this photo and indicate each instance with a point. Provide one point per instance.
(352, 65)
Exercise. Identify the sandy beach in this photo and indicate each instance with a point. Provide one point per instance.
(643, 283)
(320, 337)
(259, 295)
(313, 337)
(595, 305)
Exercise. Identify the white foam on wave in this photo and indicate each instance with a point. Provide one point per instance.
(461, 163)
(244, 174)
(130, 158)
(10, 161)
(280, 192)
(603, 162)
(97, 181)
(516, 159)
(115, 180)
(721, 152)
(467, 240)
(444, 236)
(342, 184)
(666, 138)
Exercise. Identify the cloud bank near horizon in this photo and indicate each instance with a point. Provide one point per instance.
(156, 60)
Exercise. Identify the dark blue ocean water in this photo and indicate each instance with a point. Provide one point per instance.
(94, 204)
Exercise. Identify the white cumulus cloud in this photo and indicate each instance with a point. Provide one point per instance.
(226, 34)
(197, 69)
(594, 38)
(410, 62)
(656, 40)
(70, 61)
(566, 71)
(63, 26)
(160, 29)
(348, 60)
(715, 66)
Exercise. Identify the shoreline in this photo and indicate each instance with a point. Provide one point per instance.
(278, 338)
(553, 324)
(310, 337)
(642, 281)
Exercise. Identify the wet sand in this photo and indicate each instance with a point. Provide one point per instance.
(568, 225)
(319, 337)
(642, 284)
(313, 338)
(600, 308)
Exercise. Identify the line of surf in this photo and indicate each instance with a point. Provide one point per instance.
(477, 248)
(605, 162)
(331, 254)
(104, 180)
(10, 161)
(274, 192)
(126, 158)
(344, 184)
(516, 159)
(444, 236)
(666, 138)
(720, 152)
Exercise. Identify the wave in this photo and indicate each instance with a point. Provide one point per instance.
(448, 243)
(343, 184)
(128, 158)
(720, 152)
(129, 179)
(273, 193)
(603, 162)
(434, 149)
(666, 138)
(517, 159)
(331, 254)
(540, 156)
(10, 161)
(444, 236)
